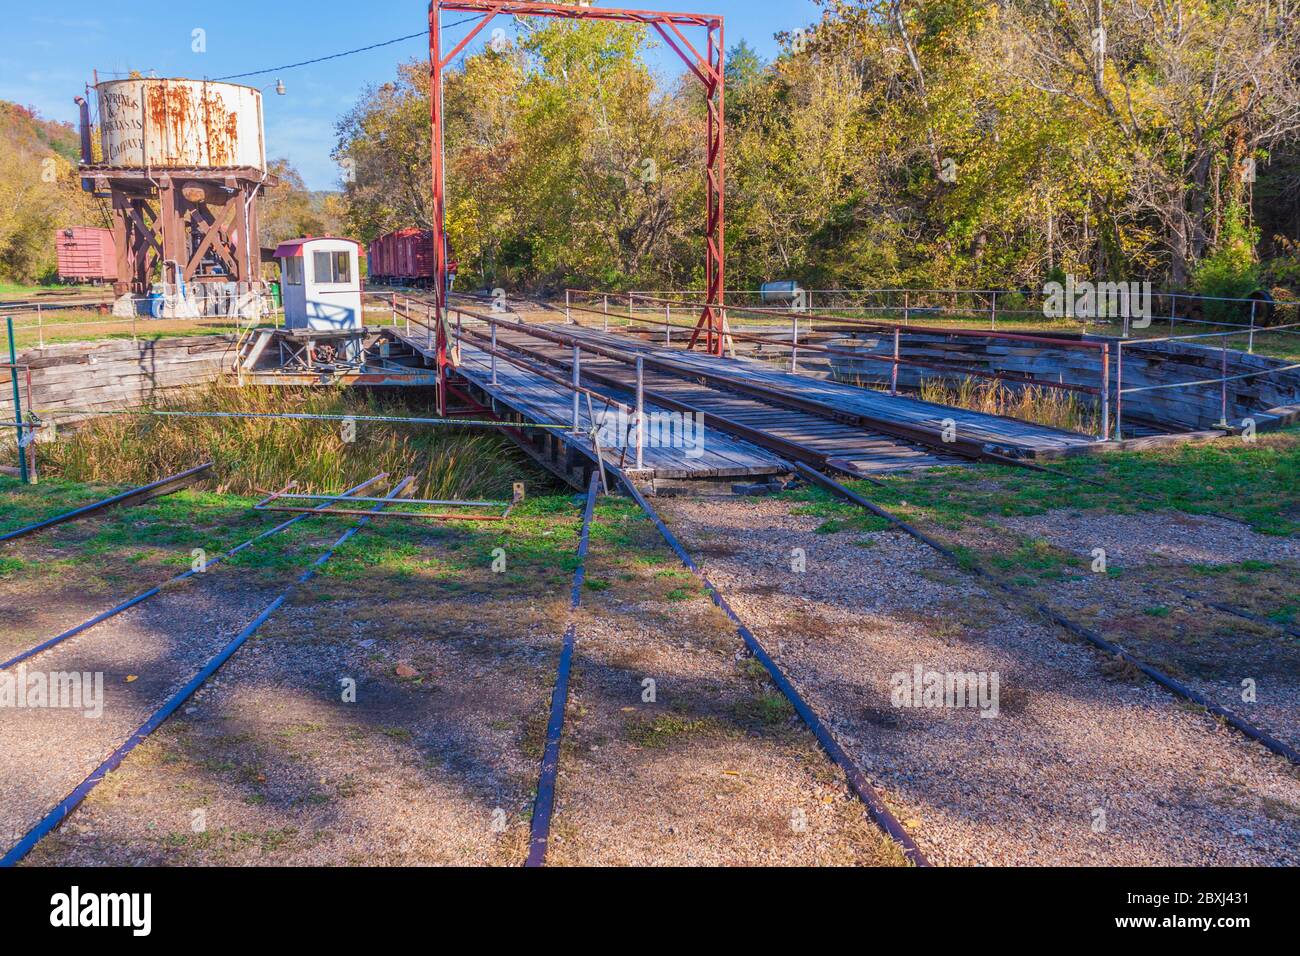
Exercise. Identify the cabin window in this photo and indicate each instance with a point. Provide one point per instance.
(342, 267)
(331, 267)
(320, 268)
(293, 270)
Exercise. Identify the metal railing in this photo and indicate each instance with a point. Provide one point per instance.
(483, 328)
(991, 305)
(138, 324)
(895, 360)
(24, 432)
(1221, 380)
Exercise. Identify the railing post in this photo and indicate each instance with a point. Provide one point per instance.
(993, 311)
(893, 371)
(1223, 385)
(18, 404)
(1105, 391)
(1250, 348)
(568, 314)
(577, 382)
(640, 413)
(40, 328)
(494, 350)
(606, 320)
(907, 308)
(794, 342)
(1119, 391)
(668, 323)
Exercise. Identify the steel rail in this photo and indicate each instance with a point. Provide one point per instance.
(857, 780)
(70, 803)
(164, 486)
(518, 362)
(170, 582)
(1164, 680)
(974, 450)
(390, 514)
(303, 416)
(544, 805)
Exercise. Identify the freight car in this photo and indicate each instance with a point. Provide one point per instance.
(403, 257)
(85, 254)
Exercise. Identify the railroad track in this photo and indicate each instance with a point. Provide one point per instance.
(164, 486)
(74, 798)
(1021, 600)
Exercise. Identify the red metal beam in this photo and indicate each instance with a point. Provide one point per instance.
(710, 69)
(573, 11)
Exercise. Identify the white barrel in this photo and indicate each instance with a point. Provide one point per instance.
(179, 123)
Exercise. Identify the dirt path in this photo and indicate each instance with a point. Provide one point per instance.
(1076, 768)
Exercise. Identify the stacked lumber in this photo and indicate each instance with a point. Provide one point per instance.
(70, 380)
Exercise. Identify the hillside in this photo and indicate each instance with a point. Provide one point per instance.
(26, 129)
(39, 192)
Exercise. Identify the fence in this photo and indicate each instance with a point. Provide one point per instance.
(992, 305)
(664, 307)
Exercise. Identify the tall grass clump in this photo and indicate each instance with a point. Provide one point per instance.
(255, 454)
(1055, 408)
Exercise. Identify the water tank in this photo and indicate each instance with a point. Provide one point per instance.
(177, 123)
(779, 293)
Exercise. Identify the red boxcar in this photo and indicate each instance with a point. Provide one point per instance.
(402, 257)
(86, 254)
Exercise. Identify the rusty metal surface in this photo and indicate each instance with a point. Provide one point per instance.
(170, 123)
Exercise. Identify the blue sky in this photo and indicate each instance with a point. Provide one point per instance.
(47, 57)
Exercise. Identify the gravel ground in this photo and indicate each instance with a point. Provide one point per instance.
(436, 761)
(144, 655)
(56, 587)
(1078, 767)
(1159, 555)
(1172, 536)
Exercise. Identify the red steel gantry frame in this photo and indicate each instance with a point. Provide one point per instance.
(709, 68)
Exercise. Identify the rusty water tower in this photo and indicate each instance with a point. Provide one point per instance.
(183, 162)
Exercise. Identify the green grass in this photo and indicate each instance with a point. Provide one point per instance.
(18, 290)
(1258, 483)
(660, 731)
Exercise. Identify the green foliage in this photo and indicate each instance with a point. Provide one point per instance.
(939, 143)
(39, 193)
(1231, 270)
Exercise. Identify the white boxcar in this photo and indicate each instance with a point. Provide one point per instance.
(320, 283)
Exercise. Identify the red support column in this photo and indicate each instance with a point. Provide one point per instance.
(439, 199)
(713, 321)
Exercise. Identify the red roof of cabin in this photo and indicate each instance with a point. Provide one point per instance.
(293, 247)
